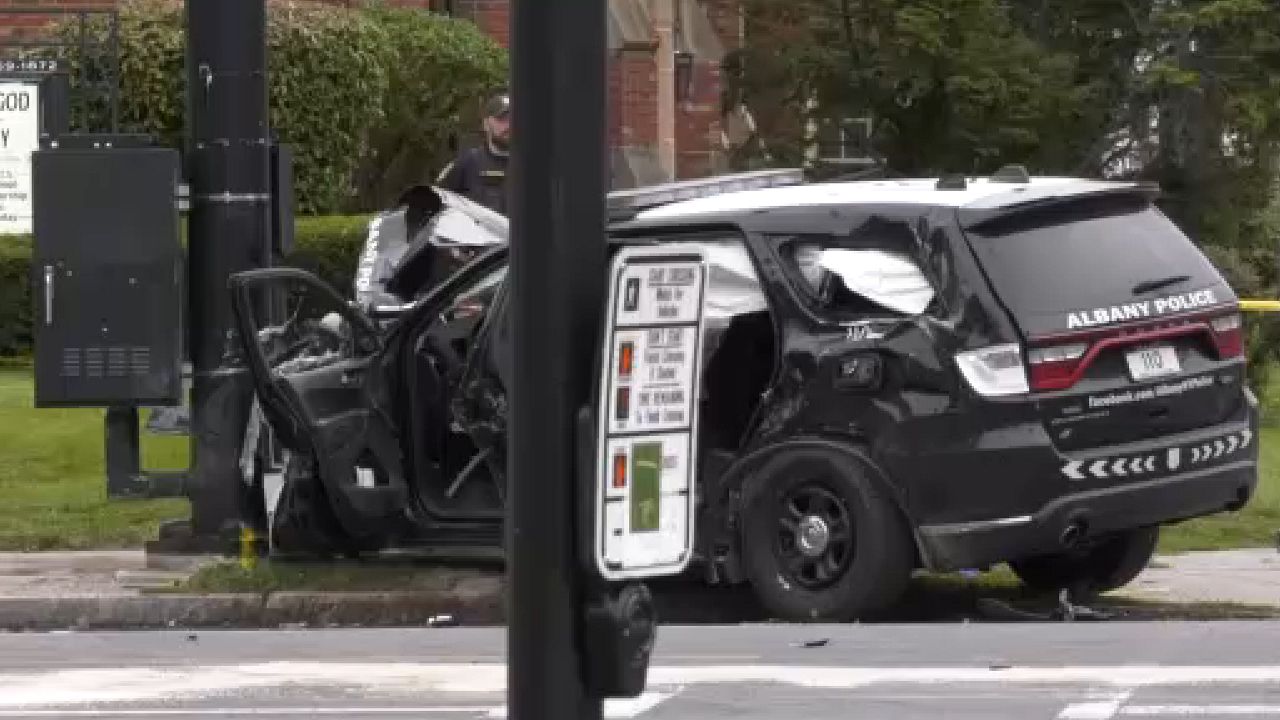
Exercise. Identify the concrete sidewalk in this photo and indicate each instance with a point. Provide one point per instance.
(104, 573)
(1244, 577)
(127, 589)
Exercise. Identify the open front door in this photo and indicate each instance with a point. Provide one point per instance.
(321, 380)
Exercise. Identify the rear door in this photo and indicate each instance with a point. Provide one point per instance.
(1129, 330)
(456, 413)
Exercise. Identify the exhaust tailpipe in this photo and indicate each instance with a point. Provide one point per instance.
(1072, 534)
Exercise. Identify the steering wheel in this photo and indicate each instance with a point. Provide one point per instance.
(290, 351)
(286, 341)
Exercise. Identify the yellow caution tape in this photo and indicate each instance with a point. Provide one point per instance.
(1260, 305)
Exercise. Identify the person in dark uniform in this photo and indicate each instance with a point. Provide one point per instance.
(481, 173)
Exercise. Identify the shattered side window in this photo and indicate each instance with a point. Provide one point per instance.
(845, 279)
(478, 298)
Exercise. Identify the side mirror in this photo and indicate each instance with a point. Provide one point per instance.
(888, 279)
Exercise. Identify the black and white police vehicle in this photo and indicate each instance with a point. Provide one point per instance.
(940, 373)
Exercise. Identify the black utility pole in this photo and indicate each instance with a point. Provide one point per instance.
(228, 161)
(557, 277)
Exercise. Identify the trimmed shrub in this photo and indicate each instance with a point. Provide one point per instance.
(15, 295)
(329, 73)
(327, 246)
(325, 63)
(366, 97)
(442, 70)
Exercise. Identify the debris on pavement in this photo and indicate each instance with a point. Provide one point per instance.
(821, 642)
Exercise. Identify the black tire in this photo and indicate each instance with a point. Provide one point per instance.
(867, 569)
(1100, 567)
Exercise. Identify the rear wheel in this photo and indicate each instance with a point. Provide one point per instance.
(820, 541)
(1100, 567)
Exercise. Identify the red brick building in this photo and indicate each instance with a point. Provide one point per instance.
(665, 115)
(665, 103)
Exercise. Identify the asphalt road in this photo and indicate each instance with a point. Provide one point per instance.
(1081, 671)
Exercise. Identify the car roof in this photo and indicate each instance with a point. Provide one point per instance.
(977, 193)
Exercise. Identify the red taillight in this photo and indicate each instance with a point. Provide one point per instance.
(1061, 365)
(1228, 335)
(1056, 367)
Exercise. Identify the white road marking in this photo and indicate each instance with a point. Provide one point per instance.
(1103, 708)
(613, 708)
(1212, 710)
(616, 707)
(239, 711)
(143, 684)
(1089, 711)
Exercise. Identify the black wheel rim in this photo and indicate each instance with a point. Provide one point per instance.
(814, 537)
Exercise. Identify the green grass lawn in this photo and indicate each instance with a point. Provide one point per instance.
(53, 484)
(53, 480)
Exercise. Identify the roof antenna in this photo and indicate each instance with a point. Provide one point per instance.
(1012, 174)
(952, 181)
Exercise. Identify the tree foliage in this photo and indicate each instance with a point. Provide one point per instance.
(1182, 92)
(952, 85)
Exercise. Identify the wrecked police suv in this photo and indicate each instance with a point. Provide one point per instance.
(927, 374)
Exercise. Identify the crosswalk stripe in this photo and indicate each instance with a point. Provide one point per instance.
(1192, 710)
(150, 684)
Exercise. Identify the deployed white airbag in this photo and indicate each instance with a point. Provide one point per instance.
(887, 279)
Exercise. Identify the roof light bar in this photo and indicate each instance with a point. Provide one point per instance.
(626, 202)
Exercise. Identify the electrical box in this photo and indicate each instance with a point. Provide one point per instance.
(106, 275)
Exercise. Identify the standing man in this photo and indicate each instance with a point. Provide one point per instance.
(481, 173)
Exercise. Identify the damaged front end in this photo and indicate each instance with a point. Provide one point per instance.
(430, 234)
(324, 442)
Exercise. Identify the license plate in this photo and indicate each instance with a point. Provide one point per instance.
(1152, 362)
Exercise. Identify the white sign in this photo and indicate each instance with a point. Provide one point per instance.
(19, 137)
(651, 372)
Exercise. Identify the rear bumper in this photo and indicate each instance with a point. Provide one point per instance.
(1096, 510)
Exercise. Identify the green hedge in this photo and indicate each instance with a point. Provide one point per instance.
(366, 97)
(15, 296)
(328, 246)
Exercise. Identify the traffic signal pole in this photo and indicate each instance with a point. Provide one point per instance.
(559, 176)
(228, 162)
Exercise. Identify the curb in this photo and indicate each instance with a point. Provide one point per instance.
(478, 605)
